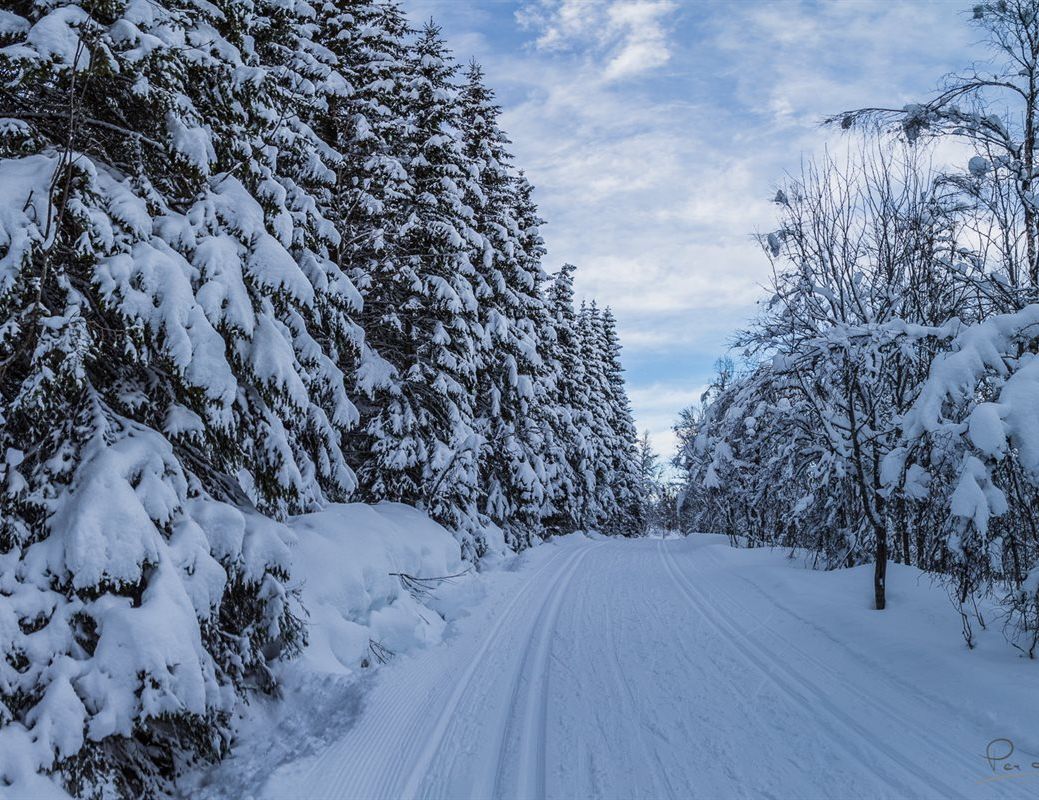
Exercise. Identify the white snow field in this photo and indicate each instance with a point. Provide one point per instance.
(676, 668)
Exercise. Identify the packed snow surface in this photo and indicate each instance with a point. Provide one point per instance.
(675, 668)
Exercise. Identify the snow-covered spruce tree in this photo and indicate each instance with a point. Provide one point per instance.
(602, 509)
(296, 184)
(546, 411)
(509, 389)
(164, 291)
(363, 119)
(629, 489)
(419, 442)
(659, 496)
(572, 480)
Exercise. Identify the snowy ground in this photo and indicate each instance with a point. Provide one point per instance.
(677, 668)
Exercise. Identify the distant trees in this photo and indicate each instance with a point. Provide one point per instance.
(255, 257)
(660, 492)
(887, 408)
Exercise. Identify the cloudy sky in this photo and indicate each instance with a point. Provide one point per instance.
(656, 131)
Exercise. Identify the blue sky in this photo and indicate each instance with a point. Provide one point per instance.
(656, 131)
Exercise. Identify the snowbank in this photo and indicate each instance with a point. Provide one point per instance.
(348, 560)
(359, 610)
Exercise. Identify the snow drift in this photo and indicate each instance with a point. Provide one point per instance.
(350, 560)
(346, 564)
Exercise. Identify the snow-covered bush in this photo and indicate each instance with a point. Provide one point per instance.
(972, 437)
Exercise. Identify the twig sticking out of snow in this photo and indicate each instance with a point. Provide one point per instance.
(379, 651)
(421, 588)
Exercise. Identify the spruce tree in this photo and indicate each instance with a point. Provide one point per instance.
(628, 484)
(601, 503)
(421, 444)
(508, 280)
(163, 374)
(365, 121)
(572, 484)
(543, 416)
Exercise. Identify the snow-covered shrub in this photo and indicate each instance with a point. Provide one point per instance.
(973, 437)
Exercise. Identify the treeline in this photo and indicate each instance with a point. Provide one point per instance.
(255, 257)
(888, 407)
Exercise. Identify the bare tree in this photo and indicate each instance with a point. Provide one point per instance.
(994, 108)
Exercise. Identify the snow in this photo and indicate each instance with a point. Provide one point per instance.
(975, 498)
(345, 557)
(105, 530)
(983, 356)
(978, 166)
(25, 182)
(56, 36)
(598, 667)
(152, 284)
(985, 428)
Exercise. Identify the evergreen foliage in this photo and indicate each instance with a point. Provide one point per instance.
(254, 257)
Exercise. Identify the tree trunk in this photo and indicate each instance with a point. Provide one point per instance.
(1028, 167)
(880, 570)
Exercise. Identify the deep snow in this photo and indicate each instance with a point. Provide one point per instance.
(673, 668)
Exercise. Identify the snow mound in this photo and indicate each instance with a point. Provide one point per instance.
(350, 559)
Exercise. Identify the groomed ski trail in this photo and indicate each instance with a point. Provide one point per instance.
(669, 669)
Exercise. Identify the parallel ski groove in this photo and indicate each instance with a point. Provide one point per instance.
(530, 696)
(797, 688)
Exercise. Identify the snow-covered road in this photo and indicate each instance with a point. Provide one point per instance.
(684, 669)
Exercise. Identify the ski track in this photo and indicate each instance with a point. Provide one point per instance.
(910, 696)
(654, 669)
(447, 717)
(800, 692)
(527, 731)
(624, 693)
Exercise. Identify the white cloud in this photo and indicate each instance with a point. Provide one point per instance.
(655, 132)
(658, 405)
(798, 61)
(624, 38)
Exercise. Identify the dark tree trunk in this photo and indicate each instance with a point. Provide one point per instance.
(880, 571)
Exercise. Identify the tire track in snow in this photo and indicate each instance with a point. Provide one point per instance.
(788, 685)
(528, 709)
